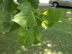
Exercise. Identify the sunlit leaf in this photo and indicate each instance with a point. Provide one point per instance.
(51, 16)
(44, 24)
(26, 17)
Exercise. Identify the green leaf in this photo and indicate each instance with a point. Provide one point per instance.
(38, 18)
(9, 5)
(21, 1)
(7, 17)
(13, 27)
(7, 22)
(37, 34)
(45, 24)
(26, 17)
(26, 36)
(34, 3)
(31, 34)
(21, 32)
(50, 17)
(57, 15)
(51, 10)
(38, 21)
(50, 24)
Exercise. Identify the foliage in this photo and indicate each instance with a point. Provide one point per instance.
(28, 20)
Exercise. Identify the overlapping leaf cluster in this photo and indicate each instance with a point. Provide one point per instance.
(28, 22)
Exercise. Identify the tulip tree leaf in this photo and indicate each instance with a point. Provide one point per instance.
(7, 17)
(38, 19)
(7, 22)
(34, 3)
(37, 34)
(9, 5)
(51, 16)
(26, 17)
(26, 36)
(21, 32)
(13, 27)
